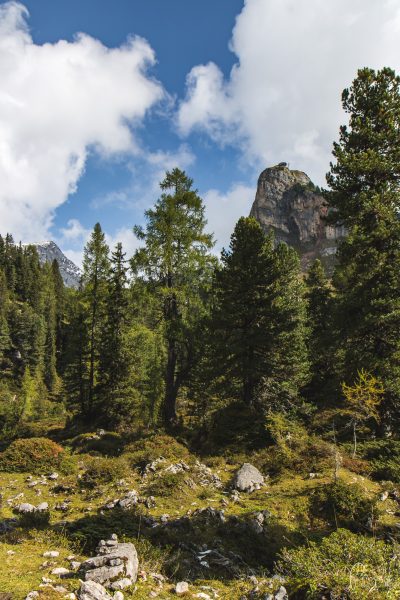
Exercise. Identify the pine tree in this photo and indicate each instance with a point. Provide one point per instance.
(241, 319)
(364, 197)
(5, 341)
(96, 266)
(321, 334)
(259, 319)
(115, 362)
(50, 318)
(287, 369)
(175, 262)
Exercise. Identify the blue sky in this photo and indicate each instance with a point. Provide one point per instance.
(222, 88)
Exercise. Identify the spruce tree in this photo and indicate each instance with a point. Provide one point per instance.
(96, 266)
(364, 197)
(321, 333)
(242, 309)
(176, 264)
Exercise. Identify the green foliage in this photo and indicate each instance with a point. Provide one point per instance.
(147, 449)
(258, 323)
(34, 520)
(108, 444)
(176, 265)
(345, 505)
(343, 566)
(103, 470)
(11, 409)
(364, 197)
(167, 484)
(383, 457)
(33, 455)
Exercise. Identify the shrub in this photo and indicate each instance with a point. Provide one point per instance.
(143, 451)
(35, 520)
(384, 458)
(33, 455)
(343, 566)
(345, 505)
(167, 484)
(292, 448)
(103, 470)
(109, 444)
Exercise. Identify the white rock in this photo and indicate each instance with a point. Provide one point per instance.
(60, 571)
(91, 590)
(248, 478)
(182, 587)
(118, 596)
(51, 554)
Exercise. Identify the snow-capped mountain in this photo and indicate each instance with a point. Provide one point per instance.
(48, 251)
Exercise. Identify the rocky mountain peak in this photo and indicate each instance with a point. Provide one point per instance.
(289, 204)
(48, 251)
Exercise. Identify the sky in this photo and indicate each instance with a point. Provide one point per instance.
(98, 98)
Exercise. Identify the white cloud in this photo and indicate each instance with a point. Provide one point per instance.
(57, 102)
(281, 101)
(224, 210)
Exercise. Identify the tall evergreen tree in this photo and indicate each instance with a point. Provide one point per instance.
(259, 319)
(364, 196)
(96, 266)
(321, 334)
(242, 312)
(176, 263)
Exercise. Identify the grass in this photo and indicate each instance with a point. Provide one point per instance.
(286, 497)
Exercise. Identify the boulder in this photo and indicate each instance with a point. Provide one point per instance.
(182, 587)
(248, 478)
(91, 590)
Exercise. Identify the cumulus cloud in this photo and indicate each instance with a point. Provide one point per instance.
(224, 209)
(281, 100)
(58, 102)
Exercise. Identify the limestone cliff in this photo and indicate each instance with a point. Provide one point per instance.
(290, 205)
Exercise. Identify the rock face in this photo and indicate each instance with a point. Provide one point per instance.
(48, 251)
(293, 208)
(248, 478)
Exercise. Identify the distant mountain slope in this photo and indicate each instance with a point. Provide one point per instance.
(48, 251)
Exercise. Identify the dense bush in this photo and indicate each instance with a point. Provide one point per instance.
(142, 452)
(108, 444)
(384, 459)
(167, 484)
(103, 470)
(292, 448)
(345, 505)
(344, 566)
(33, 455)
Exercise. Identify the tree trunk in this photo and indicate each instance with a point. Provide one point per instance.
(355, 439)
(171, 389)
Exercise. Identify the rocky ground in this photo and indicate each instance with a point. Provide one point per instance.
(174, 525)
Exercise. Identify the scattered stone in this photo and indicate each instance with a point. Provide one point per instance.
(248, 478)
(121, 584)
(43, 507)
(25, 508)
(182, 587)
(53, 476)
(31, 595)
(91, 590)
(75, 564)
(10, 552)
(118, 596)
(384, 496)
(60, 571)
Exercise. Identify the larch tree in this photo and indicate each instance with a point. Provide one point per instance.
(175, 262)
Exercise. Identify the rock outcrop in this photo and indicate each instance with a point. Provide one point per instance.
(248, 478)
(293, 208)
